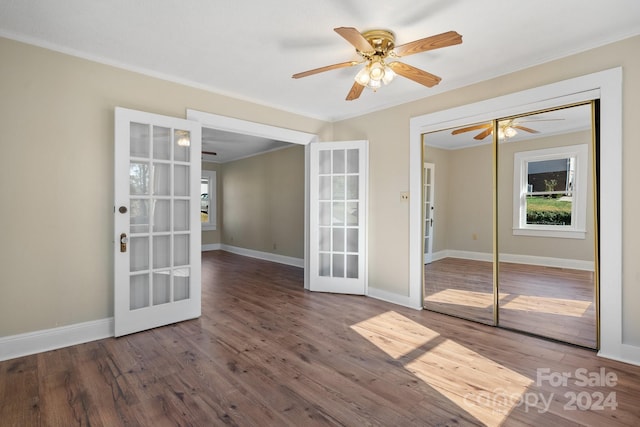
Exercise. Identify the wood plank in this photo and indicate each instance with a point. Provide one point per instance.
(19, 392)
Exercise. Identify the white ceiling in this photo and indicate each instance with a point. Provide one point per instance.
(230, 146)
(249, 49)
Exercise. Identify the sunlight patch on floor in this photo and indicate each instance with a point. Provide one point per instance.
(456, 296)
(394, 334)
(483, 388)
(480, 386)
(530, 303)
(535, 304)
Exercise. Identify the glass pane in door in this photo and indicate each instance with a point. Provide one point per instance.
(139, 140)
(161, 143)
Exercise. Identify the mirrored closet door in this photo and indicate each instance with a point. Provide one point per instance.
(458, 276)
(514, 211)
(546, 225)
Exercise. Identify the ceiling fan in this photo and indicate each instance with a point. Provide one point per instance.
(375, 47)
(506, 128)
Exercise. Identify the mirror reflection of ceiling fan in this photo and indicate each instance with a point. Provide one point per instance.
(376, 47)
(506, 128)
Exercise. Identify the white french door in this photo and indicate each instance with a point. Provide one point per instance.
(157, 220)
(338, 184)
(428, 182)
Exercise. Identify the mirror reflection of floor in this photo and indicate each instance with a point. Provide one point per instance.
(461, 288)
(547, 301)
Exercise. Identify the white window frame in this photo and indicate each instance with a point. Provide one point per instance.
(577, 229)
(212, 224)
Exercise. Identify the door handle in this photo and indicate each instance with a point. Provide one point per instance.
(123, 242)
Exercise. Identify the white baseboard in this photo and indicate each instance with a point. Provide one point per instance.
(392, 298)
(624, 353)
(574, 264)
(475, 256)
(51, 339)
(267, 256)
(211, 247)
(437, 256)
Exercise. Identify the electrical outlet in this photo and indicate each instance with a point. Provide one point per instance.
(404, 195)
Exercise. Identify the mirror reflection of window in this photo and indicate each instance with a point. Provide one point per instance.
(204, 200)
(549, 197)
(208, 200)
(550, 187)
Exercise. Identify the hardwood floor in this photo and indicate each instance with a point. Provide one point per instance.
(267, 353)
(552, 302)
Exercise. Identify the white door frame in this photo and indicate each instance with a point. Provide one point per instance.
(230, 124)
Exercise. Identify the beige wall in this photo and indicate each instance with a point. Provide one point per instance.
(212, 237)
(56, 177)
(56, 116)
(388, 135)
(469, 182)
(263, 202)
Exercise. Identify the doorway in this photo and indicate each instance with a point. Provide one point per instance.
(220, 123)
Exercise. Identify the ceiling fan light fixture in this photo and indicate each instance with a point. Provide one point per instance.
(375, 74)
(374, 84)
(363, 76)
(183, 139)
(506, 131)
(388, 75)
(376, 71)
(510, 132)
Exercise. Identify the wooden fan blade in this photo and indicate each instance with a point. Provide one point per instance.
(354, 37)
(212, 153)
(355, 91)
(449, 38)
(323, 69)
(415, 74)
(525, 129)
(470, 128)
(483, 135)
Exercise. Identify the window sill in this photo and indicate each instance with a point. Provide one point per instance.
(545, 232)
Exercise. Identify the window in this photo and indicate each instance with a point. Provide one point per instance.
(550, 192)
(208, 200)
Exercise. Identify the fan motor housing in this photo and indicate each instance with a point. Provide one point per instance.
(381, 40)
